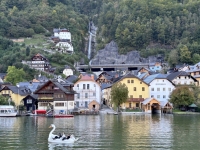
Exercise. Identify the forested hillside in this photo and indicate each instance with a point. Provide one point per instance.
(133, 24)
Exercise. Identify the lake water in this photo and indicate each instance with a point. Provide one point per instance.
(115, 132)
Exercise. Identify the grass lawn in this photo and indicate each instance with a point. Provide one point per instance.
(177, 111)
(36, 40)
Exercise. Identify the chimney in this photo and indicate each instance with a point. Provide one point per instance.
(92, 76)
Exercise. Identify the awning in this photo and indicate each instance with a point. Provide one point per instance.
(193, 105)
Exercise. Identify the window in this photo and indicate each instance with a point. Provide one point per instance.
(137, 104)
(43, 104)
(131, 96)
(94, 94)
(140, 96)
(134, 88)
(158, 89)
(158, 96)
(83, 86)
(88, 86)
(71, 103)
(86, 95)
(29, 101)
(164, 96)
(78, 95)
(140, 82)
(152, 96)
(163, 89)
(132, 81)
(94, 85)
(163, 80)
(128, 81)
(78, 86)
(59, 104)
(152, 89)
(169, 89)
(143, 89)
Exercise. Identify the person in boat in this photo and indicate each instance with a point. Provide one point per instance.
(66, 138)
(57, 137)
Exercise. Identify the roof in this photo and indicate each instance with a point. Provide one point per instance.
(147, 100)
(150, 78)
(105, 85)
(2, 75)
(59, 85)
(71, 78)
(33, 86)
(177, 74)
(193, 105)
(164, 103)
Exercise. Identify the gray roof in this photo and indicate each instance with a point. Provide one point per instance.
(33, 86)
(150, 78)
(147, 100)
(105, 85)
(177, 74)
(72, 78)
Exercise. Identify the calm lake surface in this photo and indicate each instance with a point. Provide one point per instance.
(103, 132)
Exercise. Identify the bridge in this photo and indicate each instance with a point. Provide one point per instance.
(111, 67)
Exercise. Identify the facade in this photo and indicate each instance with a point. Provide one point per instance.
(160, 87)
(65, 47)
(38, 62)
(182, 78)
(151, 105)
(57, 96)
(15, 93)
(106, 94)
(87, 90)
(30, 102)
(156, 67)
(67, 71)
(62, 34)
(194, 71)
(138, 91)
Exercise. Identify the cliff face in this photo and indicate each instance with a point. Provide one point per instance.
(109, 55)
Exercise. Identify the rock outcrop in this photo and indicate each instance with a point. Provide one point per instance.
(110, 55)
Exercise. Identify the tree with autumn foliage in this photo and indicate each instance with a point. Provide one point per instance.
(119, 94)
(182, 96)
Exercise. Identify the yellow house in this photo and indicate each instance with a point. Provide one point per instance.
(138, 91)
(14, 93)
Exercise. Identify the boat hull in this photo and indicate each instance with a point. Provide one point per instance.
(8, 114)
(63, 116)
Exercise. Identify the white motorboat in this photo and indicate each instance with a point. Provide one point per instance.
(57, 139)
(7, 111)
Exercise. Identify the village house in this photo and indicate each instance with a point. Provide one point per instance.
(160, 87)
(39, 62)
(67, 71)
(138, 91)
(88, 93)
(107, 77)
(182, 78)
(15, 93)
(56, 95)
(62, 40)
(156, 67)
(194, 71)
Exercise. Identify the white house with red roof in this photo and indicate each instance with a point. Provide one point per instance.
(88, 91)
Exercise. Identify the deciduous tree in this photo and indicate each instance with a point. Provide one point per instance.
(182, 96)
(14, 75)
(119, 94)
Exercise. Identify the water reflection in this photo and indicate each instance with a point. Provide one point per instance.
(103, 132)
(53, 146)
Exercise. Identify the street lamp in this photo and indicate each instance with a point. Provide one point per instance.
(9, 100)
